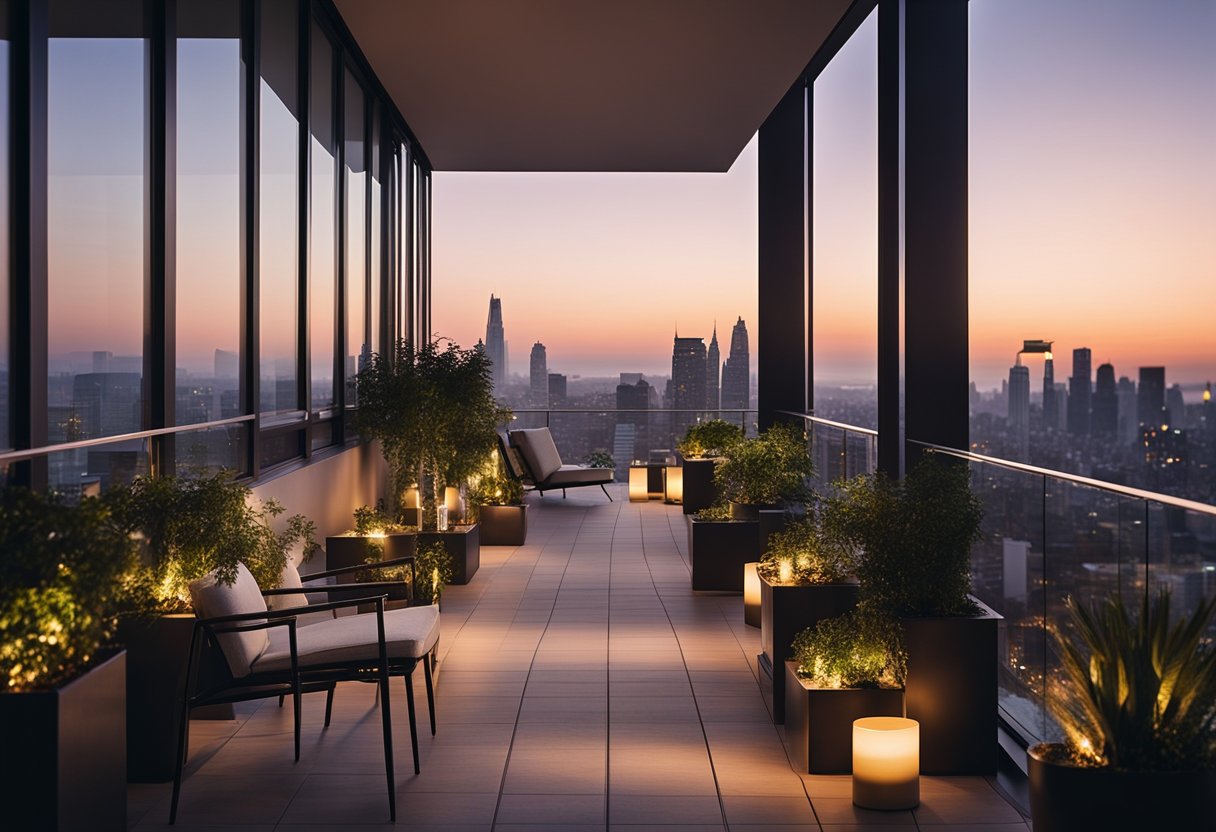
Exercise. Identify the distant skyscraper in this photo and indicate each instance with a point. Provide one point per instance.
(1128, 424)
(496, 346)
(557, 390)
(735, 373)
(1080, 391)
(1050, 408)
(687, 381)
(1150, 399)
(713, 368)
(1104, 417)
(539, 376)
(1019, 412)
(1175, 405)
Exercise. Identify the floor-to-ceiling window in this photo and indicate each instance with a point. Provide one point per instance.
(322, 244)
(5, 441)
(355, 131)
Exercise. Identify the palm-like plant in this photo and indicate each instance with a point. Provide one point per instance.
(1138, 693)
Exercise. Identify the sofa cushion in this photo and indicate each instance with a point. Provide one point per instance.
(289, 578)
(579, 475)
(409, 633)
(212, 599)
(536, 445)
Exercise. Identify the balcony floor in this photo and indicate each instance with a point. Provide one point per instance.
(582, 686)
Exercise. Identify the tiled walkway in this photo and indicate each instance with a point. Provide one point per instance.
(583, 686)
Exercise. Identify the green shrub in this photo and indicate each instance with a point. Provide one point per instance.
(856, 650)
(916, 534)
(493, 486)
(768, 469)
(435, 569)
(1138, 693)
(65, 572)
(810, 556)
(718, 511)
(600, 458)
(712, 438)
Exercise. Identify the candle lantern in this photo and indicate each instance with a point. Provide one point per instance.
(886, 762)
(673, 487)
(751, 595)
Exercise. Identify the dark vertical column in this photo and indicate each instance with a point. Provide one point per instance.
(935, 222)
(408, 243)
(890, 427)
(250, 204)
(160, 275)
(808, 349)
(339, 110)
(28, 307)
(303, 360)
(782, 267)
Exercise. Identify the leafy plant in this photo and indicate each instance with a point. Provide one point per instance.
(711, 438)
(435, 569)
(1138, 693)
(916, 534)
(808, 554)
(718, 511)
(373, 523)
(433, 410)
(65, 573)
(493, 486)
(192, 526)
(856, 650)
(600, 458)
(768, 469)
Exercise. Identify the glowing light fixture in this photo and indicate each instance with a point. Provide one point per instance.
(886, 762)
(441, 518)
(453, 503)
(751, 595)
(673, 487)
(639, 490)
(785, 570)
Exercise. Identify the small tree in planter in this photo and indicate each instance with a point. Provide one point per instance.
(377, 535)
(1137, 706)
(65, 572)
(718, 547)
(806, 576)
(712, 438)
(917, 534)
(434, 564)
(497, 502)
(767, 471)
(844, 668)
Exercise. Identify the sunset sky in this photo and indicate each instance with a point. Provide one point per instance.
(1093, 203)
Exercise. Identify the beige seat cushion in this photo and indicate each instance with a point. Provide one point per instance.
(288, 579)
(409, 634)
(579, 475)
(536, 445)
(213, 599)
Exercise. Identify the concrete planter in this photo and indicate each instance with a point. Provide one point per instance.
(785, 611)
(718, 549)
(503, 525)
(699, 489)
(352, 550)
(463, 544)
(819, 721)
(63, 754)
(951, 691)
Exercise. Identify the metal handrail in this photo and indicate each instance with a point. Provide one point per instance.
(32, 453)
(829, 423)
(635, 410)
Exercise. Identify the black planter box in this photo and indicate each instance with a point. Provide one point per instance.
(699, 489)
(63, 754)
(785, 611)
(463, 544)
(1064, 798)
(951, 691)
(351, 550)
(503, 525)
(771, 522)
(718, 549)
(819, 721)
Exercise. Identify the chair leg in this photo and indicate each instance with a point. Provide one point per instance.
(183, 729)
(387, 723)
(606, 494)
(297, 701)
(563, 493)
(280, 701)
(409, 701)
(329, 704)
(430, 689)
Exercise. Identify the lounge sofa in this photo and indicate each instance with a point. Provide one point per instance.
(531, 457)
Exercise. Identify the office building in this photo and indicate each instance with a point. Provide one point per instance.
(1051, 414)
(496, 346)
(539, 388)
(713, 371)
(736, 373)
(1080, 392)
(557, 390)
(1150, 396)
(1104, 416)
(1019, 412)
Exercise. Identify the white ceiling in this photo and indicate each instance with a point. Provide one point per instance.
(587, 85)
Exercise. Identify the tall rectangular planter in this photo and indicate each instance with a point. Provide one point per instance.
(785, 611)
(344, 551)
(819, 721)
(718, 549)
(463, 543)
(503, 525)
(63, 754)
(699, 489)
(951, 685)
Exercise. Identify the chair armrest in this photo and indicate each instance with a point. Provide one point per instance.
(289, 612)
(335, 588)
(329, 573)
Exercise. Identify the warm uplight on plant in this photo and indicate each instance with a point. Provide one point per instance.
(785, 570)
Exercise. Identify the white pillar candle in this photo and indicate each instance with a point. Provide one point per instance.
(441, 518)
(639, 490)
(886, 762)
(751, 595)
(674, 487)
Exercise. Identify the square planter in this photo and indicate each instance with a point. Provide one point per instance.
(819, 721)
(351, 550)
(718, 549)
(63, 754)
(699, 489)
(463, 544)
(785, 611)
(951, 685)
(503, 525)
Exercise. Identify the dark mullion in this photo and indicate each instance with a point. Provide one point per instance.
(890, 433)
(250, 204)
(809, 138)
(28, 274)
(160, 305)
(304, 189)
(411, 312)
(427, 253)
(368, 164)
(339, 115)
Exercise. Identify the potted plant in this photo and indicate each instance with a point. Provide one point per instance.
(844, 668)
(917, 534)
(64, 574)
(435, 568)
(703, 445)
(765, 472)
(806, 575)
(1137, 707)
(498, 503)
(188, 526)
(377, 535)
(718, 546)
